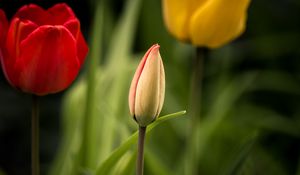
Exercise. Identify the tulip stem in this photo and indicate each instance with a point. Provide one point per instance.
(140, 153)
(196, 84)
(195, 109)
(35, 162)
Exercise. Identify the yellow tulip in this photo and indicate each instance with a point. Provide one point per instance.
(206, 23)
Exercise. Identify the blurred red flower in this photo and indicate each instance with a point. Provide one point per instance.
(3, 29)
(43, 50)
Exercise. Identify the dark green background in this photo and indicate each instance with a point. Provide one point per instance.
(270, 47)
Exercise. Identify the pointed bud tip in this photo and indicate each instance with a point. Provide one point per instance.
(154, 50)
(155, 47)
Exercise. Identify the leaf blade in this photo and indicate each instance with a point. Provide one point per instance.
(114, 157)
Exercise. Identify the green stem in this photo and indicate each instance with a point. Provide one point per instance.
(93, 67)
(195, 109)
(35, 162)
(196, 84)
(140, 152)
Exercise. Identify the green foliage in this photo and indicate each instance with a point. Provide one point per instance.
(236, 125)
(111, 161)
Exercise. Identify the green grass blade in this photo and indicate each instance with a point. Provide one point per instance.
(223, 104)
(87, 153)
(233, 166)
(117, 68)
(72, 117)
(154, 164)
(109, 163)
(130, 167)
(267, 119)
(123, 36)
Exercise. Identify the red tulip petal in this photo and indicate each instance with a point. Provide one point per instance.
(17, 31)
(61, 13)
(48, 62)
(73, 26)
(33, 13)
(3, 27)
(82, 49)
(3, 32)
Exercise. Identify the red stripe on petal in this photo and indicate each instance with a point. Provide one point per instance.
(134, 82)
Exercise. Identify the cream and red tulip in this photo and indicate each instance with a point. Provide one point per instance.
(147, 90)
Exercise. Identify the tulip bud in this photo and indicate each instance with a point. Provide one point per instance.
(206, 23)
(147, 90)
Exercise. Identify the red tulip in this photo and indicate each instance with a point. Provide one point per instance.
(3, 29)
(44, 49)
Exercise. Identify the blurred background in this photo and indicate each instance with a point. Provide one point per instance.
(250, 121)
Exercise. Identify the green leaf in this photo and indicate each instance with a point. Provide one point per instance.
(117, 77)
(123, 37)
(67, 152)
(235, 163)
(267, 119)
(130, 167)
(88, 149)
(224, 102)
(109, 163)
(154, 164)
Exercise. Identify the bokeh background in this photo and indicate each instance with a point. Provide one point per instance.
(250, 121)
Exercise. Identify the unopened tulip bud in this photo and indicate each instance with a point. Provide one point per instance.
(147, 90)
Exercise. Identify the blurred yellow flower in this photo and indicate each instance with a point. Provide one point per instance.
(207, 23)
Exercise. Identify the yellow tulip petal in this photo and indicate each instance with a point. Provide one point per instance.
(218, 22)
(177, 16)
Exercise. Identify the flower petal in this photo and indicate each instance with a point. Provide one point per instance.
(3, 27)
(17, 31)
(134, 82)
(3, 33)
(218, 22)
(33, 13)
(147, 90)
(177, 15)
(82, 48)
(48, 62)
(61, 13)
(162, 85)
